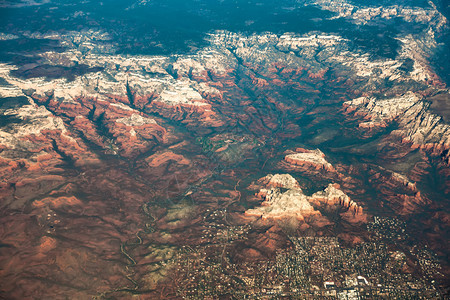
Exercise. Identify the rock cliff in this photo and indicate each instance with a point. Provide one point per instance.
(283, 198)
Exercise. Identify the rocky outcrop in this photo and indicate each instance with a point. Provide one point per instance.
(362, 14)
(283, 198)
(333, 196)
(280, 181)
(202, 91)
(136, 134)
(102, 171)
(159, 159)
(280, 204)
(399, 193)
(40, 130)
(416, 124)
(309, 159)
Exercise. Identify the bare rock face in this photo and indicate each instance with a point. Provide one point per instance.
(309, 159)
(364, 15)
(281, 180)
(277, 204)
(381, 112)
(91, 166)
(402, 195)
(332, 195)
(417, 125)
(280, 204)
(283, 198)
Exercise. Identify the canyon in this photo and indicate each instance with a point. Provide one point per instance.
(125, 174)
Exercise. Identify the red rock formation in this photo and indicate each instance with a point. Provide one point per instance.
(400, 194)
(59, 202)
(317, 75)
(309, 159)
(159, 159)
(293, 203)
(417, 126)
(190, 114)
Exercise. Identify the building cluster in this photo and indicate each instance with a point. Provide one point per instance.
(386, 228)
(313, 268)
